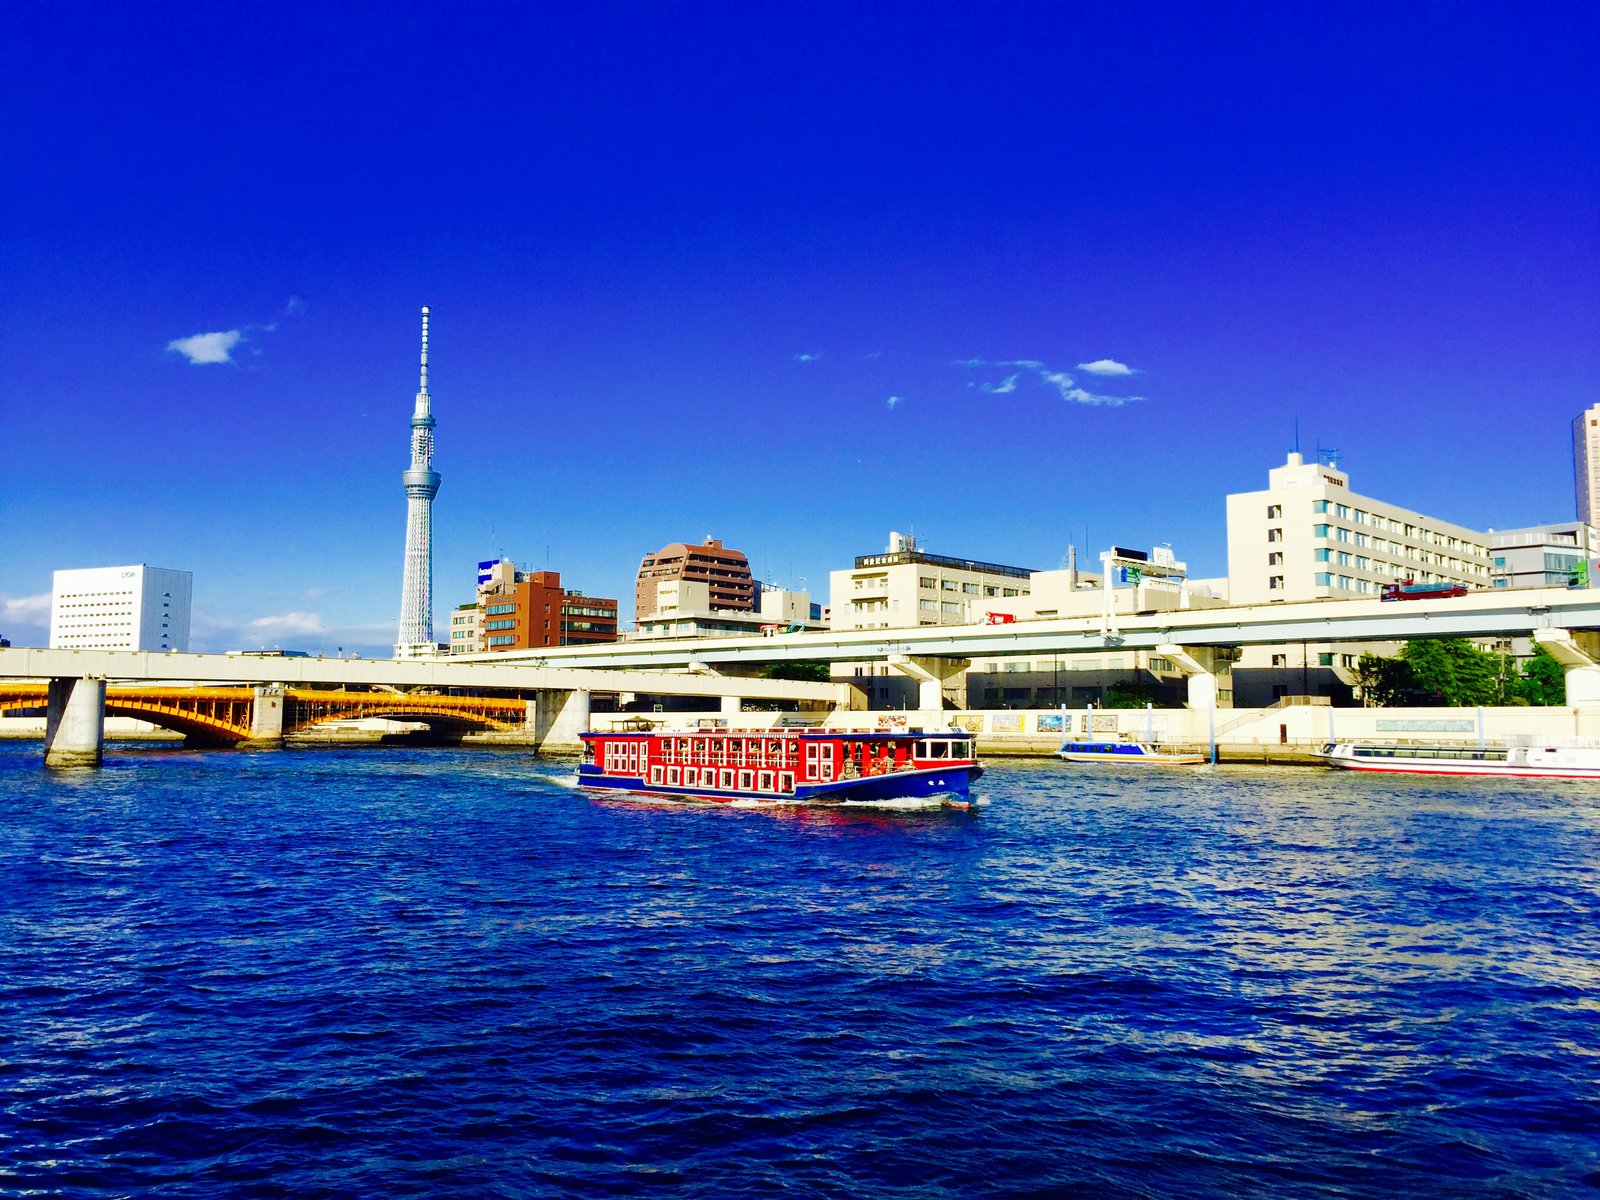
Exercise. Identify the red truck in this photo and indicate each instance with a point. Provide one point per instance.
(1422, 591)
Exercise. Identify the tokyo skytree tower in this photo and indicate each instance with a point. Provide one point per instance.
(422, 485)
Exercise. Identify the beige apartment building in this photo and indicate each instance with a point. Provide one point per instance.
(906, 587)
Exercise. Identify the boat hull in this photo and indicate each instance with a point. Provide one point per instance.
(1519, 762)
(953, 783)
(1399, 766)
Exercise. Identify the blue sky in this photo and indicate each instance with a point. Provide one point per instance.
(792, 276)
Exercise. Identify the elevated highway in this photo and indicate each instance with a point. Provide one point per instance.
(1481, 614)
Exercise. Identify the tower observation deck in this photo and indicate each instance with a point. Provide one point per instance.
(422, 485)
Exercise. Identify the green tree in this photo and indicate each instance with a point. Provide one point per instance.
(1128, 693)
(1384, 682)
(1543, 679)
(1461, 673)
(798, 672)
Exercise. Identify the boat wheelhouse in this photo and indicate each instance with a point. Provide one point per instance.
(1126, 752)
(809, 766)
(1517, 762)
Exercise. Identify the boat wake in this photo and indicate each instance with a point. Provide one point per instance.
(900, 803)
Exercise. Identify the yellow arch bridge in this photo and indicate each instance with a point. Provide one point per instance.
(228, 715)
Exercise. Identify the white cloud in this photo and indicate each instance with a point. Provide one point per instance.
(1106, 366)
(1031, 372)
(289, 622)
(1079, 396)
(207, 347)
(25, 620)
(892, 401)
(25, 608)
(807, 357)
(295, 630)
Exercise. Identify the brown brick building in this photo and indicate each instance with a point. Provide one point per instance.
(523, 610)
(727, 572)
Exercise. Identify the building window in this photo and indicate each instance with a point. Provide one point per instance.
(1321, 554)
(1320, 530)
(1275, 535)
(1275, 582)
(1325, 660)
(1319, 506)
(1275, 559)
(1323, 579)
(1274, 512)
(1280, 660)
(926, 581)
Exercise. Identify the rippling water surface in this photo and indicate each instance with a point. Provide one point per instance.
(440, 973)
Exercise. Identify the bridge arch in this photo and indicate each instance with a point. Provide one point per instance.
(307, 709)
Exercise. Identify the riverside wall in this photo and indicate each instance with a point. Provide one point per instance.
(1279, 734)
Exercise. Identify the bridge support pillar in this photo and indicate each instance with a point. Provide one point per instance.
(1579, 655)
(1202, 665)
(931, 675)
(559, 717)
(74, 730)
(266, 719)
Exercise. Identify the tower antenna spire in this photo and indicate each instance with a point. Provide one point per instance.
(422, 485)
(424, 388)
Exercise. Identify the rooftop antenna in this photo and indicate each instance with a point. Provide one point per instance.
(1297, 433)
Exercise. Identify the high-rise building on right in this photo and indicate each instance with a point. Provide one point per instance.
(1586, 462)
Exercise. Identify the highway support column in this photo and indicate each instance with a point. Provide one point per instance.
(930, 674)
(1201, 666)
(74, 729)
(1579, 654)
(559, 717)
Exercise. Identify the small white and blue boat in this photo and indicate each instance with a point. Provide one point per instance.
(1135, 752)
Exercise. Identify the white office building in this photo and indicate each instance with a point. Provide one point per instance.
(1542, 555)
(120, 608)
(1309, 537)
(1586, 463)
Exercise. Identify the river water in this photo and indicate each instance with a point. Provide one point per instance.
(448, 974)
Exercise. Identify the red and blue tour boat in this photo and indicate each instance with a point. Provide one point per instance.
(781, 766)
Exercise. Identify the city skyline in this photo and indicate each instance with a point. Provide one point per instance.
(1011, 281)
